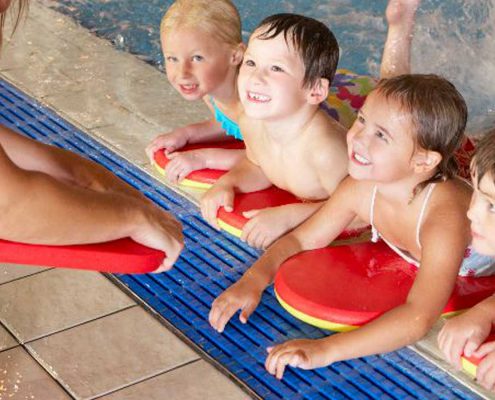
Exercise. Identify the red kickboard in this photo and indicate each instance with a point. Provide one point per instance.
(122, 256)
(234, 221)
(353, 284)
(470, 364)
(202, 176)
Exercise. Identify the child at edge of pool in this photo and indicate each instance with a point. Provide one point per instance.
(466, 333)
(402, 182)
(290, 141)
(202, 47)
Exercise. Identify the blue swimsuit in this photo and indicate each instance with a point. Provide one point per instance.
(473, 264)
(230, 127)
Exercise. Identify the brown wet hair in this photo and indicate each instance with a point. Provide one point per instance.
(438, 112)
(17, 8)
(312, 39)
(484, 157)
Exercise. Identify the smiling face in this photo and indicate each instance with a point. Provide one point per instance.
(196, 64)
(482, 215)
(271, 79)
(380, 142)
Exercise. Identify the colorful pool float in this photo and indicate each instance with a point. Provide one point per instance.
(342, 288)
(119, 256)
(470, 364)
(203, 178)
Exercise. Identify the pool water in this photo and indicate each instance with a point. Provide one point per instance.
(454, 38)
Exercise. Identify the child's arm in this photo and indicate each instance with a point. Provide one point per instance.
(317, 232)
(201, 132)
(440, 235)
(39, 209)
(245, 177)
(183, 162)
(465, 333)
(268, 224)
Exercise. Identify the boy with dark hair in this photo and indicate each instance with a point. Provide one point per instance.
(290, 141)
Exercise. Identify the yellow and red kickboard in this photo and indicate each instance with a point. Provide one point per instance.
(203, 178)
(233, 222)
(342, 288)
(470, 364)
(118, 256)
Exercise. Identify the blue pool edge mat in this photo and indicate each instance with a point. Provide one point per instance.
(210, 263)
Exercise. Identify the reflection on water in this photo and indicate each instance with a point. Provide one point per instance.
(454, 38)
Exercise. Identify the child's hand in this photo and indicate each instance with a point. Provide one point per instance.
(182, 163)
(243, 295)
(161, 231)
(464, 334)
(219, 195)
(300, 353)
(485, 373)
(265, 226)
(171, 141)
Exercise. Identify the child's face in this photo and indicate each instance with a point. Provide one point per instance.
(196, 64)
(482, 215)
(271, 79)
(380, 142)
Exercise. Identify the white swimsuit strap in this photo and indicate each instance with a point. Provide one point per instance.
(374, 232)
(422, 212)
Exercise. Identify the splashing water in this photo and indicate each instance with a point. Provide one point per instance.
(453, 38)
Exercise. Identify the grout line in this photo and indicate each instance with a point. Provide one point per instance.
(26, 276)
(148, 378)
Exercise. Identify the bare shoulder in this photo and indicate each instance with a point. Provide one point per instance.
(327, 141)
(357, 195)
(453, 194)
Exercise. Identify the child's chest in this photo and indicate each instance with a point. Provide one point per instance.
(290, 169)
(398, 226)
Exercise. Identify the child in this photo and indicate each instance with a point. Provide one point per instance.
(466, 333)
(202, 47)
(291, 142)
(52, 196)
(402, 183)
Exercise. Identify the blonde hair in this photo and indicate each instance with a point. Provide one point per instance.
(219, 18)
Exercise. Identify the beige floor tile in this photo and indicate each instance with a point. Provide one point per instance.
(196, 381)
(57, 299)
(9, 272)
(21, 377)
(110, 353)
(7, 341)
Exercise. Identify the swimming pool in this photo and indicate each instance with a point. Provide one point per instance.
(453, 38)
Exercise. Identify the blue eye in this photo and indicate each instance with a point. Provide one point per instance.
(276, 68)
(197, 58)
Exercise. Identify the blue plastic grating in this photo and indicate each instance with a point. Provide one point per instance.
(210, 263)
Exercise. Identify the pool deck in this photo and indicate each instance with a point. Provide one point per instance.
(75, 335)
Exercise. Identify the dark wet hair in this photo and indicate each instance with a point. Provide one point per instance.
(484, 158)
(17, 8)
(313, 40)
(438, 112)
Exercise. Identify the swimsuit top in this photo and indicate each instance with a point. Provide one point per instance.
(473, 264)
(230, 127)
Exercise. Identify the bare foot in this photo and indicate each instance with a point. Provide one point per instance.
(396, 58)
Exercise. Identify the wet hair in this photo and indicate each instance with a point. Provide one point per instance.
(484, 158)
(315, 43)
(218, 18)
(438, 113)
(18, 8)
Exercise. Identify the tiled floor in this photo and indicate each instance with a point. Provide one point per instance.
(74, 335)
